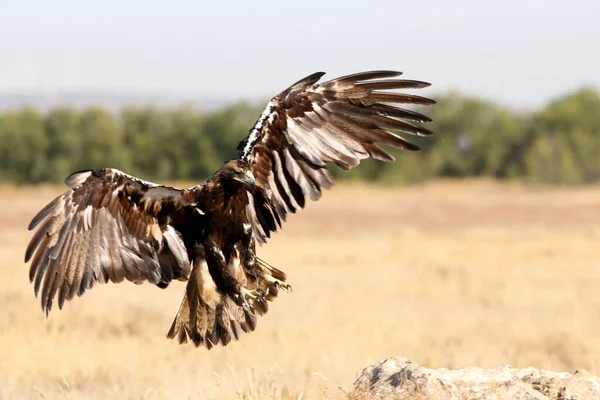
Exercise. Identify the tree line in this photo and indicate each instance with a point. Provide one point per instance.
(558, 144)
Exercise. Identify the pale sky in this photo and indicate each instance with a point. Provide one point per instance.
(521, 53)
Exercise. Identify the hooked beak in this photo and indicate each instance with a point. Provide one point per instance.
(248, 179)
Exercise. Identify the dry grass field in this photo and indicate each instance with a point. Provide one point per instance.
(447, 274)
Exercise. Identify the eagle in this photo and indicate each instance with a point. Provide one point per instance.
(110, 226)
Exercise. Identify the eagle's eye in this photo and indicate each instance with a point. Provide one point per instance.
(246, 177)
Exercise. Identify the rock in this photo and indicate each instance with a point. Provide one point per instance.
(399, 378)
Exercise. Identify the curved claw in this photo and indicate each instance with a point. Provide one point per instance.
(279, 284)
(286, 286)
(246, 295)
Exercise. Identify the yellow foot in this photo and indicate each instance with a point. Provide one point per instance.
(246, 295)
(277, 283)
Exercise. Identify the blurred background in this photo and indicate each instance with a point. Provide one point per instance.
(482, 249)
(84, 85)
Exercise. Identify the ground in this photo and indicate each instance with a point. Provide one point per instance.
(448, 274)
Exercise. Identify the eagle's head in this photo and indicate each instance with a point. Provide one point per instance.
(237, 171)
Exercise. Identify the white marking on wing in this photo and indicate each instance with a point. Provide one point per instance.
(87, 216)
(267, 115)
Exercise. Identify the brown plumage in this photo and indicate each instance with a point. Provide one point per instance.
(111, 226)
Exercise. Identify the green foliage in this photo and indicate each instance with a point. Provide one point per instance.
(24, 150)
(61, 127)
(102, 141)
(566, 148)
(477, 136)
(558, 144)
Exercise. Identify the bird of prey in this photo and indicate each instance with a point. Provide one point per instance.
(110, 226)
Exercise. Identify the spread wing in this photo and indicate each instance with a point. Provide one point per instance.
(108, 227)
(311, 124)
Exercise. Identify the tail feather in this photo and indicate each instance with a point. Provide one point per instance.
(208, 317)
(179, 329)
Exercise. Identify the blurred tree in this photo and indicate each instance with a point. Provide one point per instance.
(190, 151)
(61, 128)
(566, 148)
(24, 146)
(559, 144)
(102, 141)
(147, 132)
(230, 126)
(474, 136)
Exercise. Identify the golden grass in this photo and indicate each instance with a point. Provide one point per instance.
(447, 274)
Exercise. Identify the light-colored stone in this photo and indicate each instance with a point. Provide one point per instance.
(399, 378)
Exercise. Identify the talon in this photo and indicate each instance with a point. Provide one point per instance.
(278, 284)
(286, 286)
(260, 294)
(246, 294)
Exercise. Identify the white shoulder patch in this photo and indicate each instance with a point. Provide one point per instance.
(266, 115)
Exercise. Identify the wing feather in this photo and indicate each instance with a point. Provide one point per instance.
(310, 125)
(107, 227)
